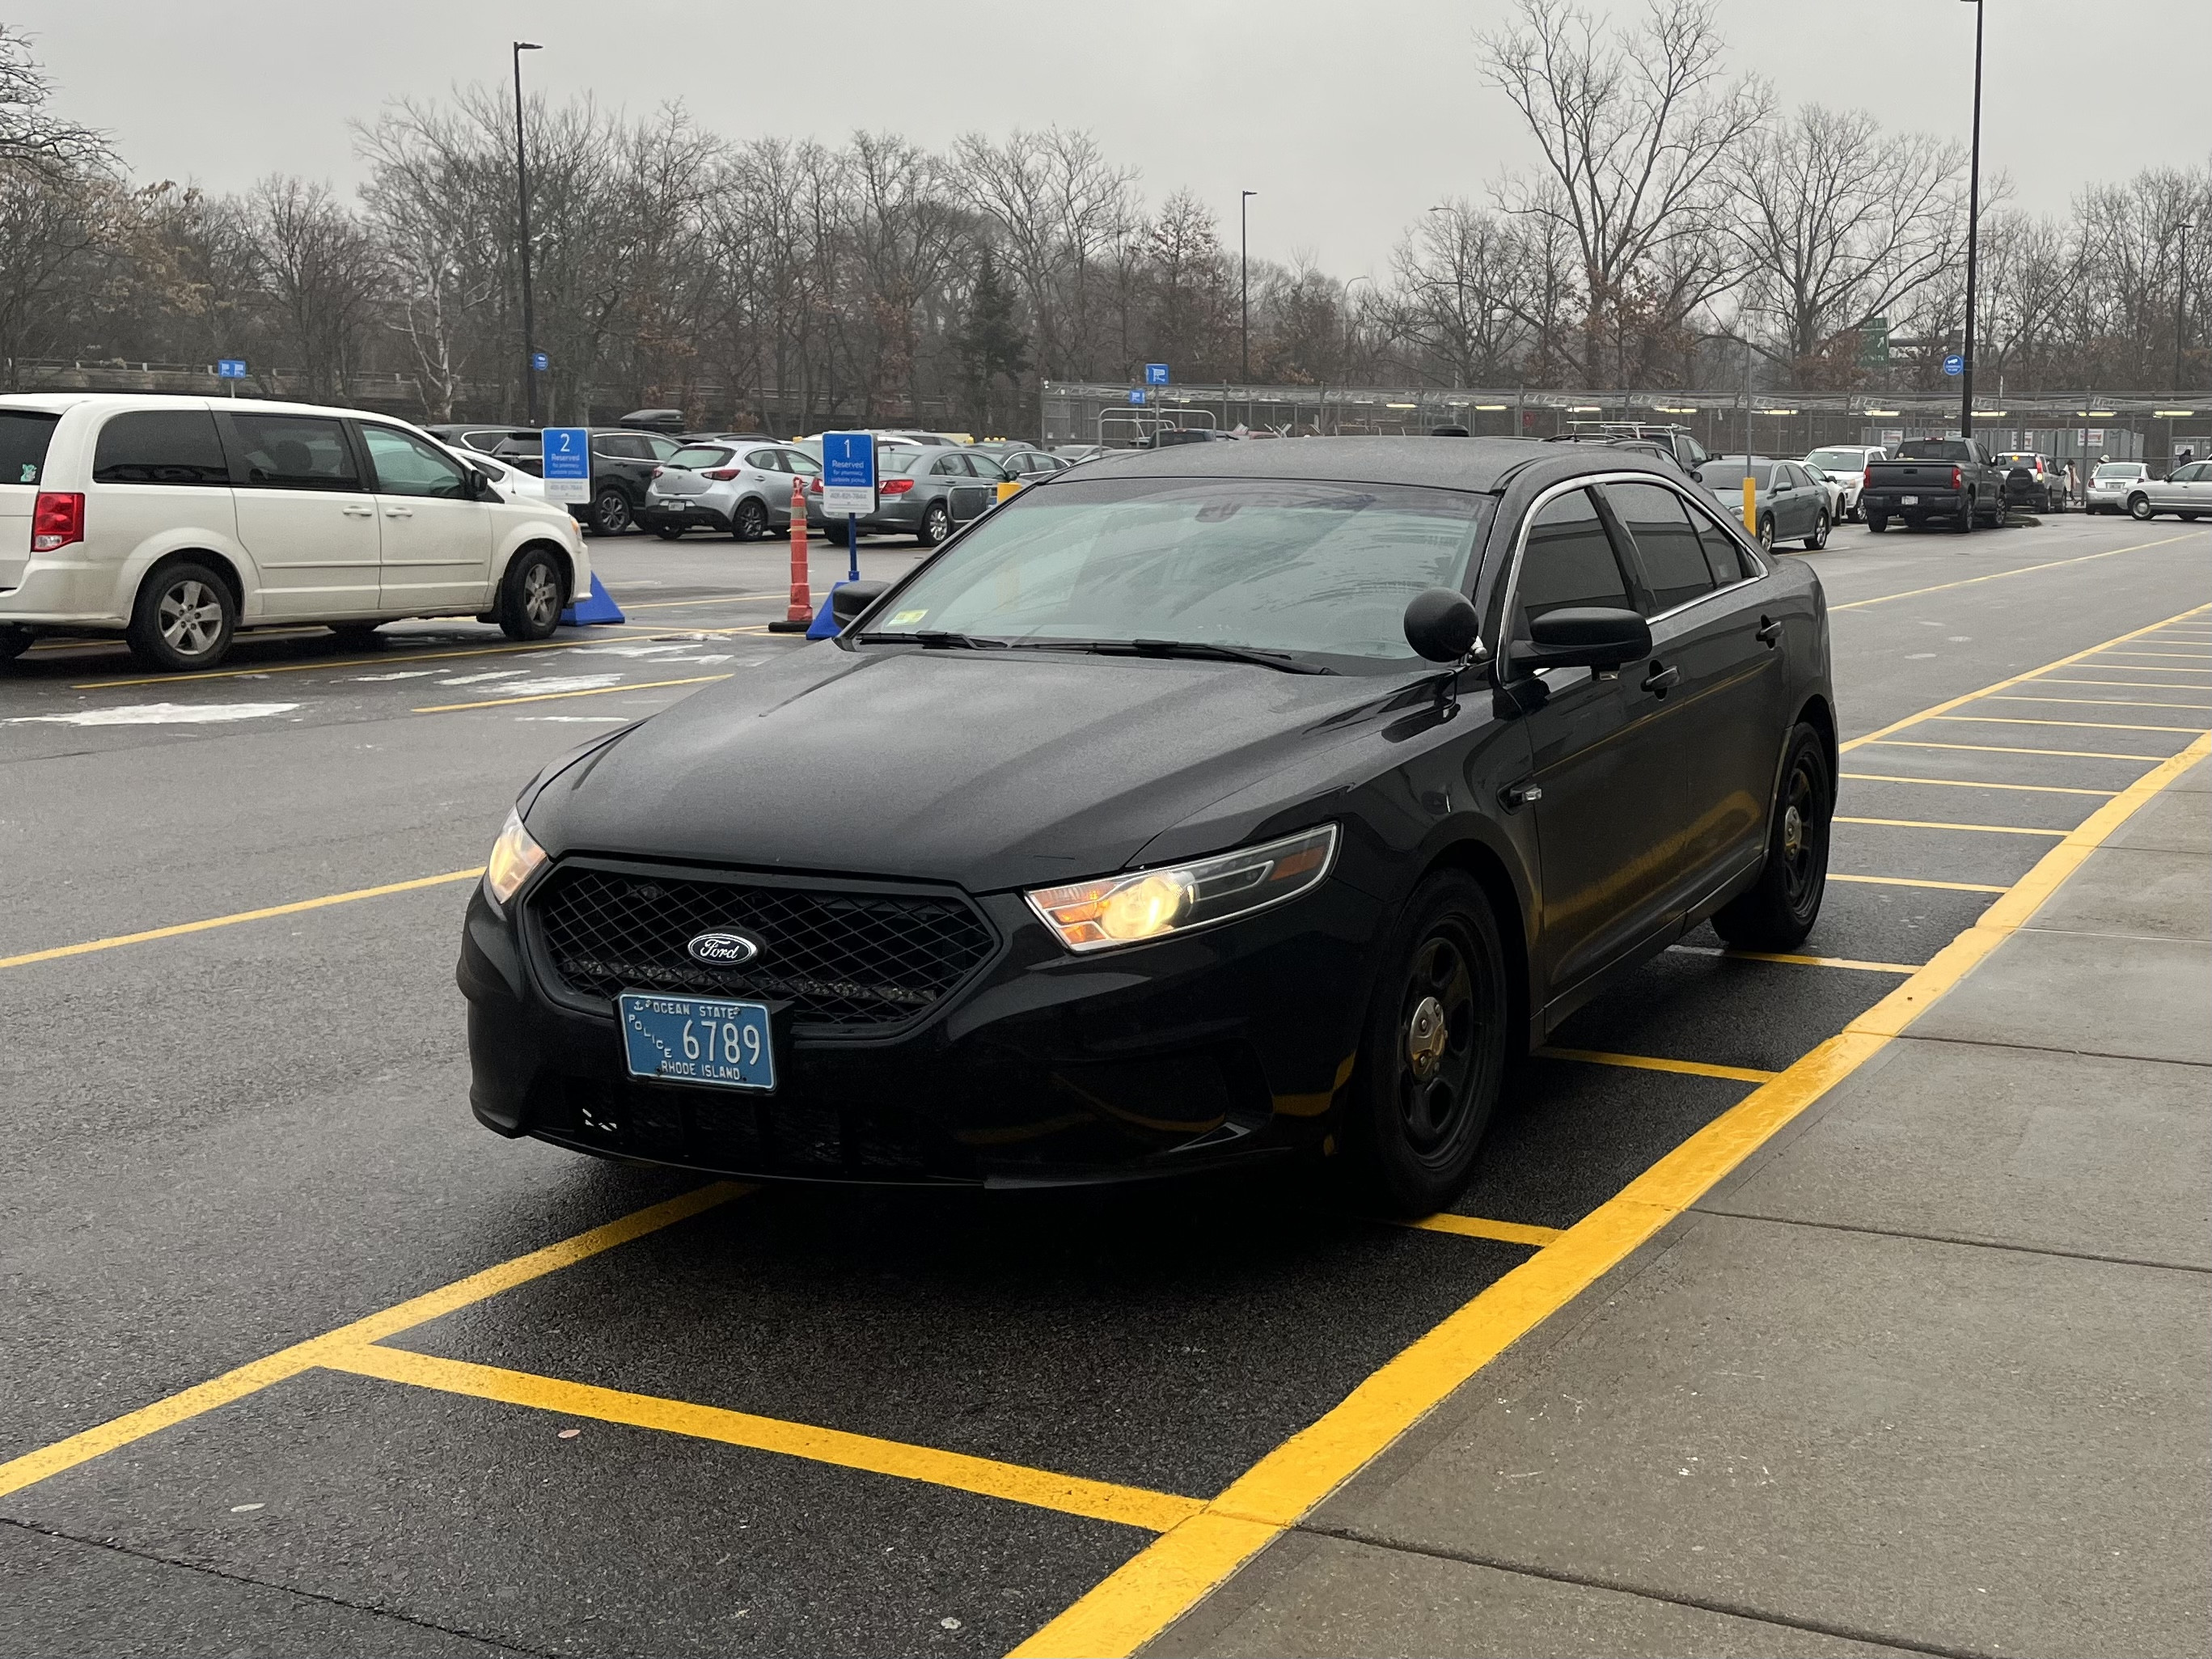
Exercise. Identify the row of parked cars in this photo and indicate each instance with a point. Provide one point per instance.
(740, 484)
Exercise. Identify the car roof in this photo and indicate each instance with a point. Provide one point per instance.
(1486, 465)
(58, 402)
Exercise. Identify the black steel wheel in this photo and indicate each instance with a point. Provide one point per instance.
(611, 513)
(750, 522)
(1435, 1049)
(1778, 911)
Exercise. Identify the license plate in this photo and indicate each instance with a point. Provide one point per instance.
(697, 1040)
(1913, 501)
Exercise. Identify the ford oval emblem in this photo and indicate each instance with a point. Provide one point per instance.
(723, 950)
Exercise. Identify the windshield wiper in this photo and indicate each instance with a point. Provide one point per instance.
(936, 639)
(1198, 649)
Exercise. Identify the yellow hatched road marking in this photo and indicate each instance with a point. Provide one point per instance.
(1973, 783)
(2014, 749)
(117, 941)
(2017, 570)
(1475, 1226)
(1914, 881)
(2133, 686)
(1099, 1500)
(1931, 824)
(1163, 1582)
(2094, 725)
(2106, 702)
(557, 697)
(2150, 667)
(2191, 656)
(257, 1375)
(1797, 961)
(1658, 1063)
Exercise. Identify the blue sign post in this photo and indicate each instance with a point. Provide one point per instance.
(232, 369)
(1155, 373)
(849, 486)
(567, 465)
(1954, 365)
(540, 362)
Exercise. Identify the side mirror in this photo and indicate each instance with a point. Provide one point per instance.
(1697, 475)
(1584, 637)
(848, 600)
(1441, 624)
(480, 485)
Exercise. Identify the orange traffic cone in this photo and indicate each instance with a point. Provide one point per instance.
(799, 616)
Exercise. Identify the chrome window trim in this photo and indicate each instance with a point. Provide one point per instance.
(1744, 544)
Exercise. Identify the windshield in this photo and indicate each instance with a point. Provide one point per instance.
(1728, 475)
(2120, 470)
(699, 456)
(1271, 564)
(1838, 460)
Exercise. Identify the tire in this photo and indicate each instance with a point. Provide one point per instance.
(13, 641)
(1876, 523)
(611, 513)
(750, 522)
(1766, 535)
(2139, 508)
(1433, 1056)
(185, 618)
(357, 636)
(2186, 518)
(2053, 503)
(669, 532)
(532, 595)
(936, 524)
(1778, 911)
(1819, 539)
(1962, 521)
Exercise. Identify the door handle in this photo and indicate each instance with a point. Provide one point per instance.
(1770, 632)
(399, 512)
(1515, 796)
(355, 510)
(1659, 679)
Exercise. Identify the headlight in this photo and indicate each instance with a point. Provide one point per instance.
(513, 856)
(1096, 915)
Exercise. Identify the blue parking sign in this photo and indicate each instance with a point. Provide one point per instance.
(567, 465)
(1155, 373)
(1137, 395)
(538, 360)
(848, 473)
(1954, 364)
(231, 368)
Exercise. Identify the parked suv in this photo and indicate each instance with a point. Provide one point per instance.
(176, 521)
(2033, 481)
(624, 462)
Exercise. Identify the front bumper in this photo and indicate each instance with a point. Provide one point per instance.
(1043, 1068)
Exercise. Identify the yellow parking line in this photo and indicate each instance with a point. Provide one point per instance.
(1945, 707)
(2150, 667)
(1975, 783)
(1658, 1063)
(2106, 702)
(2017, 570)
(257, 1375)
(2191, 656)
(333, 662)
(1098, 1500)
(1796, 961)
(2132, 685)
(2014, 749)
(1931, 824)
(1475, 1226)
(555, 696)
(1163, 1582)
(2094, 725)
(1914, 881)
(117, 941)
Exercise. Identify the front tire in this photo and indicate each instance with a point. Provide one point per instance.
(2139, 508)
(532, 596)
(1819, 539)
(184, 619)
(611, 513)
(1779, 909)
(1433, 1056)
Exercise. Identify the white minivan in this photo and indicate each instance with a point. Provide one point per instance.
(177, 521)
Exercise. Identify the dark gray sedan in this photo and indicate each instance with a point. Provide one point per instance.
(925, 493)
(1792, 504)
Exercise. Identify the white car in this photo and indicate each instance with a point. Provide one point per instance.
(2111, 485)
(176, 521)
(1847, 463)
(512, 482)
(2186, 491)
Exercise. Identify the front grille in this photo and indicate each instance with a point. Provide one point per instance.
(844, 958)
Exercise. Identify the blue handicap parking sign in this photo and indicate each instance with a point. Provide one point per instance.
(1155, 373)
(1954, 364)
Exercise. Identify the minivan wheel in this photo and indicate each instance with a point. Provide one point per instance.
(1779, 909)
(1434, 1052)
(750, 522)
(611, 513)
(936, 524)
(13, 641)
(185, 618)
(532, 597)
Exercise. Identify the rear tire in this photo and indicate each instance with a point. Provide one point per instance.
(1962, 521)
(532, 596)
(669, 532)
(750, 522)
(1433, 1056)
(13, 641)
(611, 513)
(184, 619)
(1766, 535)
(1778, 911)
(1876, 523)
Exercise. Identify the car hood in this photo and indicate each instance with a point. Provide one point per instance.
(995, 769)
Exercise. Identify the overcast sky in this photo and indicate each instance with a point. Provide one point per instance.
(1349, 116)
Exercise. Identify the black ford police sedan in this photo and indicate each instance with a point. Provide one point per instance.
(1226, 800)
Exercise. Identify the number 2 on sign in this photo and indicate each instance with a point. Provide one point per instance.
(726, 1044)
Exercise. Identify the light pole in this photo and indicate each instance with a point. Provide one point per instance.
(2180, 296)
(522, 215)
(1244, 291)
(1973, 227)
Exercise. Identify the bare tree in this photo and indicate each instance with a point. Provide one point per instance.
(30, 133)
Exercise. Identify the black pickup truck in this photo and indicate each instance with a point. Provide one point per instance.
(1954, 478)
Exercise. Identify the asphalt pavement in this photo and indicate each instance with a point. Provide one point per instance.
(303, 1358)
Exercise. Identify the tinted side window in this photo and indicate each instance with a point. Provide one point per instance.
(1722, 557)
(160, 446)
(406, 466)
(622, 447)
(1673, 562)
(294, 452)
(1569, 560)
(24, 435)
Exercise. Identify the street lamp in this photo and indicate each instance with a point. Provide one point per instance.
(522, 215)
(2180, 295)
(1973, 226)
(1245, 288)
